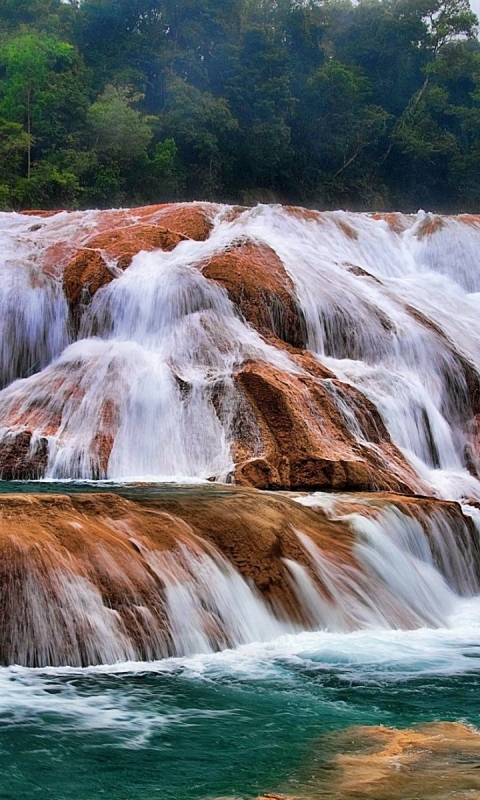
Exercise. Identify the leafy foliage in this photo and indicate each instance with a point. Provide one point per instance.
(325, 102)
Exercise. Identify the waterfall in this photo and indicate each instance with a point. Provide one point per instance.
(343, 351)
(94, 579)
(390, 307)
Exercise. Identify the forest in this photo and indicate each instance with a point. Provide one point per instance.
(371, 105)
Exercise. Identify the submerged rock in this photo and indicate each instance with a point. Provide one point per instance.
(434, 761)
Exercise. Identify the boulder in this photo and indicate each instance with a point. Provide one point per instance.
(305, 441)
(258, 284)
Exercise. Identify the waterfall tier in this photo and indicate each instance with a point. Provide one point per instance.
(97, 578)
(272, 347)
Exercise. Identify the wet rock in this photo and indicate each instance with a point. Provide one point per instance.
(84, 275)
(22, 457)
(306, 444)
(256, 281)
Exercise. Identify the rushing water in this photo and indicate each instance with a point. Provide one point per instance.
(392, 310)
(252, 719)
(389, 308)
(234, 724)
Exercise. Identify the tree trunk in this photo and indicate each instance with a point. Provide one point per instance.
(29, 131)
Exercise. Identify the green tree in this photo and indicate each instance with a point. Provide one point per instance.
(30, 63)
(120, 130)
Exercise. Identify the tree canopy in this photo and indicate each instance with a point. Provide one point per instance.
(330, 103)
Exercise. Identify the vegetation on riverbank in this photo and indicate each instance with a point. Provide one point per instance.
(122, 102)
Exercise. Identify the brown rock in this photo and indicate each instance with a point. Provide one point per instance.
(84, 275)
(256, 281)
(119, 237)
(348, 230)
(125, 243)
(433, 761)
(20, 459)
(469, 219)
(115, 546)
(396, 222)
(306, 444)
(193, 220)
(33, 212)
(308, 214)
(430, 225)
(58, 552)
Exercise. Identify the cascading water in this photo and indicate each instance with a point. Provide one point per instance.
(91, 582)
(390, 309)
(121, 605)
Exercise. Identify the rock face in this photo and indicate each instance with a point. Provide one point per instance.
(256, 281)
(305, 443)
(93, 266)
(22, 457)
(92, 578)
(84, 275)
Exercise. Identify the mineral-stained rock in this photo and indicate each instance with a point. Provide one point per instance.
(125, 243)
(94, 578)
(305, 441)
(67, 562)
(193, 220)
(397, 223)
(85, 274)
(32, 212)
(430, 225)
(256, 281)
(161, 228)
(22, 457)
(434, 761)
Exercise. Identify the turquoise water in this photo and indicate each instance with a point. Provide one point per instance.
(232, 724)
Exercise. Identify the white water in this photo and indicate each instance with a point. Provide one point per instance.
(152, 369)
(90, 607)
(54, 613)
(362, 656)
(158, 346)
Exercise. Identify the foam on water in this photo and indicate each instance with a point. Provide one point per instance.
(359, 656)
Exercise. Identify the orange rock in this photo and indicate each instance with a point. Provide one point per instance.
(120, 236)
(396, 222)
(430, 225)
(55, 549)
(434, 761)
(469, 219)
(257, 282)
(84, 275)
(124, 243)
(305, 441)
(193, 220)
(113, 546)
(32, 212)
(308, 214)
